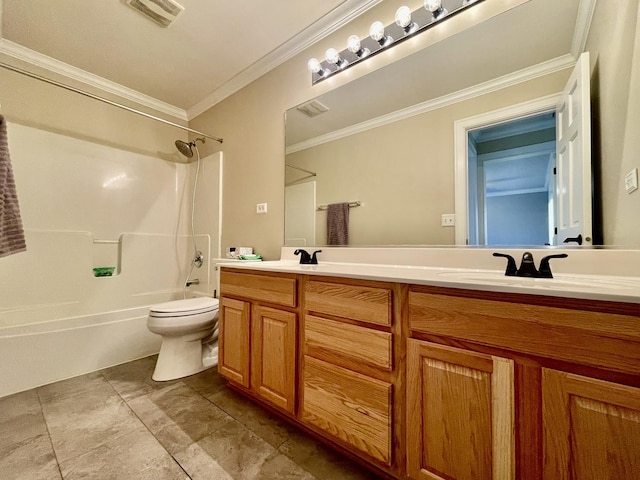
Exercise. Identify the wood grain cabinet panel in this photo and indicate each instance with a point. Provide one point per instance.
(336, 341)
(234, 340)
(357, 302)
(351, 407)
(274, 355)
(264, 288)
(460, 414)
(591, 428)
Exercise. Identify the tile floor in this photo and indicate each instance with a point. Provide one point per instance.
(120, 424)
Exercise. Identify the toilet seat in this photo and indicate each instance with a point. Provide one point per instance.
(184, 308)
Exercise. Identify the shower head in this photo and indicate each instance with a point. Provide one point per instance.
(186, 148)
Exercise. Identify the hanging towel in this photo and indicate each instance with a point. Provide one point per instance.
(11, 232)
(338, 224)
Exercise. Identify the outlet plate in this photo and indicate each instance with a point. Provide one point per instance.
(631, 181)
(448, 220)
(261, 208)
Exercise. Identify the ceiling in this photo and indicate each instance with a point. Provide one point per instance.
(213, 48)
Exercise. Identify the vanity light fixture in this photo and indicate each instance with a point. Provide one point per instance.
(406, 24)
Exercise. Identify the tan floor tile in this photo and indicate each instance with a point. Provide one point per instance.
(178, 416)
(77, 424)
(135, 456)
(260, 421)
(32, 459)
(323, 462)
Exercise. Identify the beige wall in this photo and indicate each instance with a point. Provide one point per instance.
(614, 45)
(405, 184)
(252, 124)
(33, 103)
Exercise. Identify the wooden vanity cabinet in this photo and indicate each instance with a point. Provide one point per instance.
(348, 374)
(591, 428)
(258, 336)
(571, 374)
(460, 411)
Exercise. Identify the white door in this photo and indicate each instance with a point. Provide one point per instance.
(573, 147)
(300, 215)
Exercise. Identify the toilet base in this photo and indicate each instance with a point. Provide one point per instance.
(180, 357)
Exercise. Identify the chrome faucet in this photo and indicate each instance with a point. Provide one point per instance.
(528, 267)
(195, 281)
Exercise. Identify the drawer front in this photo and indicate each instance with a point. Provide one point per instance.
(265, 288)
(579, 336)
(366, 304)
(351, 407)
(330, 340)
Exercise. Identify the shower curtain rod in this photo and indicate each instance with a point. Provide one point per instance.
(104, 100)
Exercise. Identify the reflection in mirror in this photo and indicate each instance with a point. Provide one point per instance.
(387, 140)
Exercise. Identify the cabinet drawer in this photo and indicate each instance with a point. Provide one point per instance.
(579, 336)
(265, 288)
(367, 304)
(352, 407)
(333, 341)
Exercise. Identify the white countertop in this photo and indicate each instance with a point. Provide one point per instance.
(585, 286)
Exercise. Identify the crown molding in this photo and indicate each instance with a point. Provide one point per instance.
(586, 10)
(50, 64)
(526, 74)
(334, 20)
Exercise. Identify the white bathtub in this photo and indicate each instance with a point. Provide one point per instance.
(41, 353)
(58, 321)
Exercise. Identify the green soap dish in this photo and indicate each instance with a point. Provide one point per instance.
(103, 271)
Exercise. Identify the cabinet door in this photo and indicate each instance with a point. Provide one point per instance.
(460, 414)
(351, 407)
(591, 428)
(274, 355)
(234, 341)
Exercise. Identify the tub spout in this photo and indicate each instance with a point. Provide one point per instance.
(195, 281)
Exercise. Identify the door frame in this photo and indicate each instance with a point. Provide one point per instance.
(487, 119)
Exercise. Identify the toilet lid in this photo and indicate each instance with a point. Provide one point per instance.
(188, 306)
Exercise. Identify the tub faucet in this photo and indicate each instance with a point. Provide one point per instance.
(528, 267)
(306, 258)
(195, 281)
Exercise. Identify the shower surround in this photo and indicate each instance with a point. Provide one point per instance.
(87, 205)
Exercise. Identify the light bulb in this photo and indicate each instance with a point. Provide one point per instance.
(403, 16)
(436, 9)
(353, 44)
(377, 31)
(314, 65)
(332, 56)
(432, 5)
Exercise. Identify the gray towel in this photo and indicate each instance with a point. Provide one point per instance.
(11, 232)
(338, 224)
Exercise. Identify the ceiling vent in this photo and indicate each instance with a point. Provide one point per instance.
(163, 12)
(312, 108)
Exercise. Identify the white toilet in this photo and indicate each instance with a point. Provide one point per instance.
(189, 336)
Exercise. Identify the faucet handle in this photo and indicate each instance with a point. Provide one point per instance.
(305, 258)
(314, 260)
(511, 264)
(545, 268)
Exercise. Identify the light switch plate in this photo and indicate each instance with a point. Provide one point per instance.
(631, 181)
(261, 208)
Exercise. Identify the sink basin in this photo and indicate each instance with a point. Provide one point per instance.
(593, 283)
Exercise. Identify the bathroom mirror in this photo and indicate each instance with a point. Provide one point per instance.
(386, 141)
